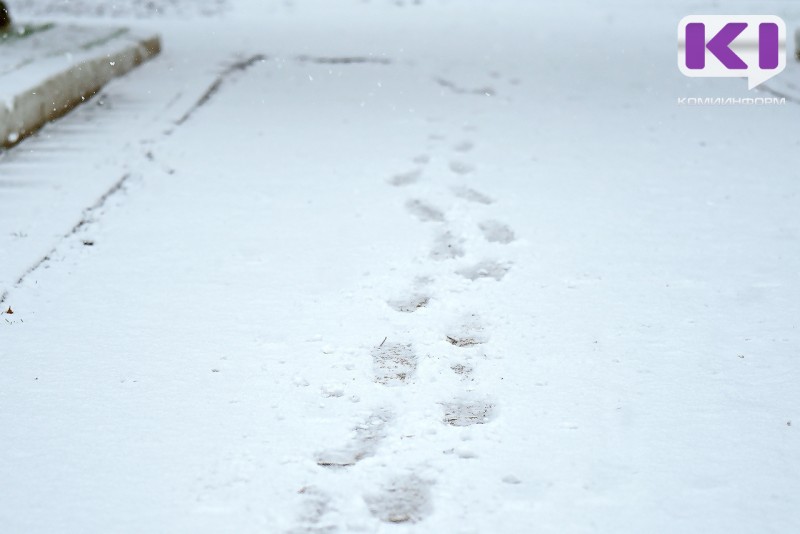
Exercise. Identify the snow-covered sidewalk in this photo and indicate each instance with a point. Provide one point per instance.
(397, 267)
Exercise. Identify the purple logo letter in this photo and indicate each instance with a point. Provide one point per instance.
(719, 45)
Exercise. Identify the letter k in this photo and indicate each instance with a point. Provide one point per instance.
(719, 45)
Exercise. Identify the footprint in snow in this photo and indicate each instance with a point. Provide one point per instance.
(459, 167)
(405, 178)
(464, 341)
(467, 332)
(422, 159)
(419, 297)
(447, 247)
(485, 269)
(467, 412)
(471, 195)
(410, 304)
(464, 370)
(464, 146)
(405, 499)
(365, 441)
(315, 505)
(424, 211)
(496, 232)
(394, 364)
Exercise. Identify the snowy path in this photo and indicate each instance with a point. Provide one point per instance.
(358, 281)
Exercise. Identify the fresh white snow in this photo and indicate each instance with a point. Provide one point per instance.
(447, 266)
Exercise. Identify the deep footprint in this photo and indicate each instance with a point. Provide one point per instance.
(459, 167)
(464, 146)
(363, 445)
(463, 370)
(464, 341)
(447, 247)
(411, 304)
(314, 508)
(424, 211)
(496, 232)
(467, 413)
(485, 269)
(403, 500)
(394, 364)
(467, 333)
(419, 297)
(471, 195)
(405, 178)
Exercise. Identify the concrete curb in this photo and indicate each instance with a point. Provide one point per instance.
(57, 95)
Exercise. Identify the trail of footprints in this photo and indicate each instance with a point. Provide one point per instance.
(406, 499)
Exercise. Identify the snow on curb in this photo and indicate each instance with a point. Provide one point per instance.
(60, 93)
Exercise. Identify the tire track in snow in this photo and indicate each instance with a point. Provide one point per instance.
(243, 65)
(233, 69)
(343, 60)
(90, 215)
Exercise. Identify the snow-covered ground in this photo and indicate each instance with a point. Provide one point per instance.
(437, 266)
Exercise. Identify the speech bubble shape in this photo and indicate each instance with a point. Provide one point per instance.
(732, 46)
